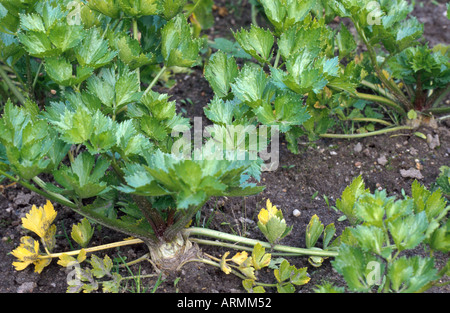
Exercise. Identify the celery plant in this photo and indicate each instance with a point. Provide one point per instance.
(307, 71)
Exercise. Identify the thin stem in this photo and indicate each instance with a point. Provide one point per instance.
(29, 79)
(374, 133)
(441, 110)
(368, 119)
(196, 231)
(378, 89)
(136, 37)
(277, 59)
(438, 97)
(254, 15)
(234, 246)
(382, 100)
(11, 86)
(193, 8)
(94, 249)
(37, 74)
(155, 80)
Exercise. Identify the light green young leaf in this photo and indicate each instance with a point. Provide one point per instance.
(370, 238)
(64, 36)
(139, 7)
(289, 111)
(84, 177)
(178, 48)
(61, 71)
(108, 7)
(440, 239)
(36, 43)
(283, 14)
(127, 88)
(314, 230)
(352, 264)
(311, 34)
(94, 50)
(346, 204)
(409, 231)
(432, 203)
(328, 234)
(345, 42)
(260, 258)
(219, 111)
(221, 72)
(408, 275)
(170, 8)
(371, 208)
(130, 52)
(251, 85)
(82, 232)
(158, 105)
(257, 42)
(32, 22)
(103, 136)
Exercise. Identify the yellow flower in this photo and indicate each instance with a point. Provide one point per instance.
(265, 215)
(40, 220)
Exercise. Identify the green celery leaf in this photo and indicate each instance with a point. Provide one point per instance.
(353, 264)
(85, 176)
(103, 137)
(370, 238)
(64, 36)
(283, 14)
(219, 111)
(130, 52)
(289, 111)
(314, 230)
(408, 275)
(221, 71)
(108, 7)
(251, 86)
(61, 71)
(178, 48)
(139, 7)
(257, 42)
(129, 141)
(32, 22)
(409, 231)
(75, 127)
(371, 208)
(36, 43)
(158, 105)
(345, 42)
(346, 204)
(94, 50)
(170, 8)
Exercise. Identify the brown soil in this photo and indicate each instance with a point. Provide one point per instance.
(322, 168)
